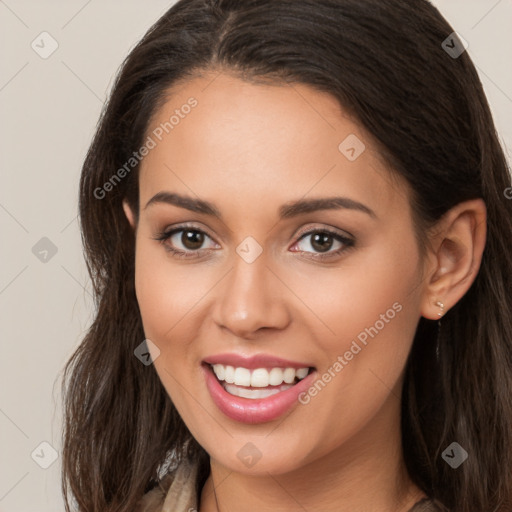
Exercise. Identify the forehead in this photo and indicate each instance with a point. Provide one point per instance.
(217, 135)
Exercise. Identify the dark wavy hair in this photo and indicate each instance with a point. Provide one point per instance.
(427, 112)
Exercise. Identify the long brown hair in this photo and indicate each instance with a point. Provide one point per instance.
(385, 63)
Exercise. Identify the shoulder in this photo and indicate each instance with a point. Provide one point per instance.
(176, 491)
(153, 500)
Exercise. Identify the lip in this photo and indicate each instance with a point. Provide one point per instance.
(261, 410)
(253, 362)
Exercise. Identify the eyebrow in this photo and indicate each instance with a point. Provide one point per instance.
(286, 211)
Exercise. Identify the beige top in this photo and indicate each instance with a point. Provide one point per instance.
(176, 492)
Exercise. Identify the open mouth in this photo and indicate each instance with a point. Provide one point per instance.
(259, 382)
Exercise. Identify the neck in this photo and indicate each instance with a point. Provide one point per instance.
(366, 473)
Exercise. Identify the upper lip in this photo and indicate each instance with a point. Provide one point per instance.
(253, 362)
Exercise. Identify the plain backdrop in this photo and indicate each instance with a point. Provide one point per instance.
(49, 108)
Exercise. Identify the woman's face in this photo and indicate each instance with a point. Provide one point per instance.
(266, 285)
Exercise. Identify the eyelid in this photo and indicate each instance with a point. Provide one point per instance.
(326, 228)
(343, 237)
(183, 227)
(164, 236)
(307, 230)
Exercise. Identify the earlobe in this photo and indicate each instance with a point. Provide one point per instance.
(456, 258)
(129, 213)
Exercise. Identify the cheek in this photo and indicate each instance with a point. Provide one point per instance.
(371, 309)
(169, 295)
(166, 292)
(367, 288)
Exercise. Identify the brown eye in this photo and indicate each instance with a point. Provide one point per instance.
(321, 242)
(192, 239)
(185, 242)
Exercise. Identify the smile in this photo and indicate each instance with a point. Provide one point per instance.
(257, 378)
(258, 394)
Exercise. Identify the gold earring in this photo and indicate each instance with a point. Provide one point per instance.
(441, 305)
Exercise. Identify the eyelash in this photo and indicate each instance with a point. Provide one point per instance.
(162, 237)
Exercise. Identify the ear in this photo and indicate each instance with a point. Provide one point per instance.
(454, 258)
(129, 214)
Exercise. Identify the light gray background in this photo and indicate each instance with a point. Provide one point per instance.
(48, 112)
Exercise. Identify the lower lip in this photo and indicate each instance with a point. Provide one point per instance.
(261, 410)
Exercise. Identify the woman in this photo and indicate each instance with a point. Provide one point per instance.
(295, 217)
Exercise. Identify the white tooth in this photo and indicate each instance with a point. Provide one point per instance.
(242, 377)
(275, 377)
(219, 370)
(259, 378)
(229, 374)
(254, 394)
(289, 375)
(257, 393)
(301, 372)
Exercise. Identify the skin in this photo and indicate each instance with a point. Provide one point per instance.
(249, 149)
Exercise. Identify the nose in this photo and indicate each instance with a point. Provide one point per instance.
(251, 299)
